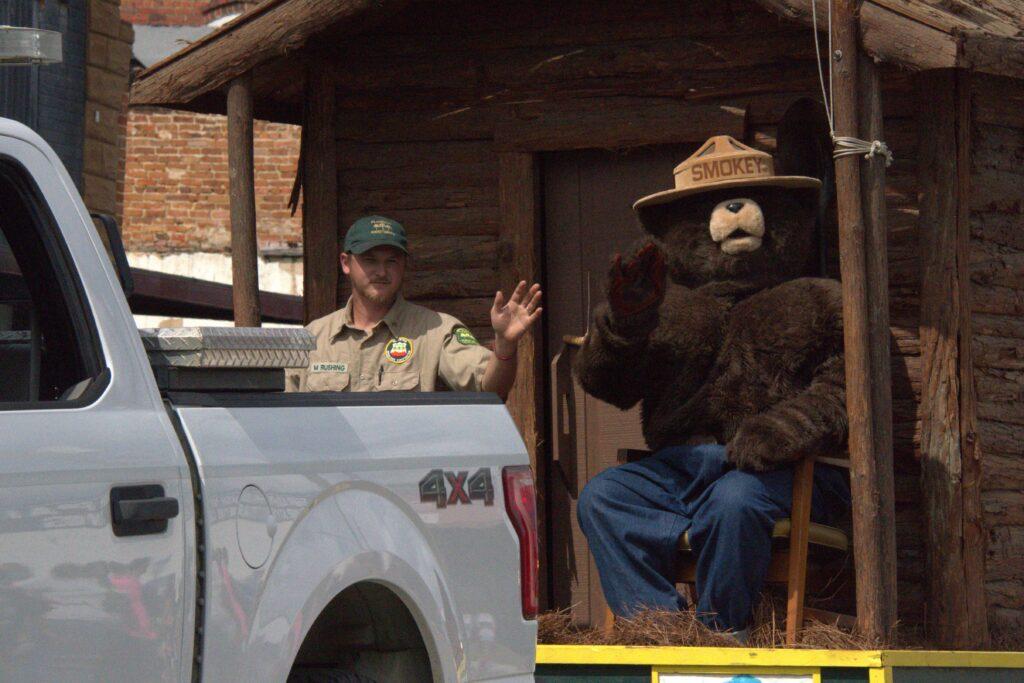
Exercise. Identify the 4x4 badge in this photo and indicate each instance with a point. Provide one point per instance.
(434, 487)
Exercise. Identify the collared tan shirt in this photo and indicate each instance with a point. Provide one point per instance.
(409, 350)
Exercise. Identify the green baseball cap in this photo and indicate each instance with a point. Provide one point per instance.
(375, 231)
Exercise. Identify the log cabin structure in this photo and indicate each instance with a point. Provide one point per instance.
(511, 139)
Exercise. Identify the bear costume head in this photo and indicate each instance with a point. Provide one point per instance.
(730, 218)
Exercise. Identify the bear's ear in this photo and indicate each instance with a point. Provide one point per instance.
(805, 148)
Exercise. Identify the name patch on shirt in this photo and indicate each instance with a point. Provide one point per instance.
(329, 367)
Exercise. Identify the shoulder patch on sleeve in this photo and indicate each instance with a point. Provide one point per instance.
(465, 337)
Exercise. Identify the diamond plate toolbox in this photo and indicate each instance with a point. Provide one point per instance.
(228, 347)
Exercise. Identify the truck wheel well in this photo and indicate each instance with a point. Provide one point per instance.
(366, 629)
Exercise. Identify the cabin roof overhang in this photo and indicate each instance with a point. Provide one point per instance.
(272, 39)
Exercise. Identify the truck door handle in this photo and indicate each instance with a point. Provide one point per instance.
(138, 510)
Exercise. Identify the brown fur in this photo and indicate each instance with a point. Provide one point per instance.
(743, 347)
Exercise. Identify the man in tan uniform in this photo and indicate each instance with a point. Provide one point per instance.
(381, 342)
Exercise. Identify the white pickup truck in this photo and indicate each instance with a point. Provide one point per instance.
(167, 526)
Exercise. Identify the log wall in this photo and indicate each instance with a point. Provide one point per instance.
(427, 102)
(997, 288)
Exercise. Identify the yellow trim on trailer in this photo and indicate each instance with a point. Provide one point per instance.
(882, 675)
(814, 673)
(953, 659)
(762, 657)
(705, 656)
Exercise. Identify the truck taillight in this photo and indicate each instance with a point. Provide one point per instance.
(521, 504)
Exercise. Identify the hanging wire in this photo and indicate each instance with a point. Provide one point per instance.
(842, 146)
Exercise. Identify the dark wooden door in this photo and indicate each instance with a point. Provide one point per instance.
(588, 217)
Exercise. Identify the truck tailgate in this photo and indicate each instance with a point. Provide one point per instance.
(303, 493)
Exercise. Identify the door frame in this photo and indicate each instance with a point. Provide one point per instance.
(520, 138)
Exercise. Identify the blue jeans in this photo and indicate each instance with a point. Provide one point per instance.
(634, 514)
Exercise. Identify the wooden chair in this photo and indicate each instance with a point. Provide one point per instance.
(801, 546)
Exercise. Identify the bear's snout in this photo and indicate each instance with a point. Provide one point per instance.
(737, 225)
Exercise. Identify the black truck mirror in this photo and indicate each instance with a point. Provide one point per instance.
(115, 248)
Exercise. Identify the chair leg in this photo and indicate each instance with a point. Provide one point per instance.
(803, 485)
(609, 621)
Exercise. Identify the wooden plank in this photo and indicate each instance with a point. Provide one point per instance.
(442, 252)
(453, 123)
(993, 264)
(1003, 508)
(950, 458)
(1001, 411)
(476, 221)
(1002, 55)
(998, 101)
(999, 147)
(998, 228)
(1006, 326)
(967, 17)
(487, 26)
(974, 532)
(394, 156)
(1002, 437)
(873, 512)
(887, 35)
(997, 300)
(715, 51)
(320, 224)
(272, 30)
(614, 123)
(998, 191)
(185, 297)
(473, 283)
(242, 200)
(377, 200)
(520, 244)
(998, 352)
(475, 313)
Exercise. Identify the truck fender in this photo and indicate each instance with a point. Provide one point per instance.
(356, 533)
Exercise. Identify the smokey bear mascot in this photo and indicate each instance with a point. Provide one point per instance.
(736, 357)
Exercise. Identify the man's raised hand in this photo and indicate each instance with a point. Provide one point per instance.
(512, 319)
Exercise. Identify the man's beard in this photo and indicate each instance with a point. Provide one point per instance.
(377, 297)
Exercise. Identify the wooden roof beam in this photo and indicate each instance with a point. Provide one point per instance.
(908, 40)
(273, 29)
(1000, 55)
(885, 35)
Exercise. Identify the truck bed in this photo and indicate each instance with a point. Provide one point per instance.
(304, 494)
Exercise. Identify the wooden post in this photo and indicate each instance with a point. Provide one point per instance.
(950, 456)
(320, 195)
(873, 494)
(245, 289)
(519, 251)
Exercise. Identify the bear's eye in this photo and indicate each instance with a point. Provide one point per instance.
(735, 207)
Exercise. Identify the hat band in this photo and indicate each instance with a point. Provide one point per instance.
(728, 168)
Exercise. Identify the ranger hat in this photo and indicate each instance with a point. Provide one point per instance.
(723, 162)
(375, 231)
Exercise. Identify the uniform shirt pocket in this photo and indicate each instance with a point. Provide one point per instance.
(327, 381)
(405, 379)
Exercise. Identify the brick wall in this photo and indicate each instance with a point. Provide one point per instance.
(165, 12)
(181, 12)
(176, 183)
(108, 55)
